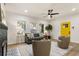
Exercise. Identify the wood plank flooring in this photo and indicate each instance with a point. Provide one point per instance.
(72, 52)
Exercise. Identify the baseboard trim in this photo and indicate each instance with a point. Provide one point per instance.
(15, 44)
(74, 44)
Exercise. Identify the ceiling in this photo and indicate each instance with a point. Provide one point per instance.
(39, 10)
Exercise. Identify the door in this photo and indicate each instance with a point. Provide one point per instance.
(65, 28)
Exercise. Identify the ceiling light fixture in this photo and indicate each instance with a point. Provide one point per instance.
(25, 11)
(73, 9)
(49, 17)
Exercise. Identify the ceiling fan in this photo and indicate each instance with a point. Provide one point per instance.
(50, 13)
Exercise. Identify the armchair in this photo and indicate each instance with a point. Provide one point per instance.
(41, 47)
(63, 42)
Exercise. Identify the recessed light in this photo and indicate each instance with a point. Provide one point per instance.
(73, 9)
(25, 11)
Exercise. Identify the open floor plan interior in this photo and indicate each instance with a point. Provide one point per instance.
(39, 29)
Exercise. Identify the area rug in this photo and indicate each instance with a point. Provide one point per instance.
(26, 50)
(56, 51)
(13, 52)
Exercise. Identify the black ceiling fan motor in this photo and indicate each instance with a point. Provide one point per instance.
(50, 12)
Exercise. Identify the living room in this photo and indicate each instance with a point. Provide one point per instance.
(41, 29)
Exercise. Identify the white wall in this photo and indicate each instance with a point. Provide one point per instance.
(74, 19)
(12, 19)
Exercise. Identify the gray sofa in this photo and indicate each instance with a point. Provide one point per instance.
(28, 39)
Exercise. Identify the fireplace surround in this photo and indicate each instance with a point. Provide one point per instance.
(3, 39)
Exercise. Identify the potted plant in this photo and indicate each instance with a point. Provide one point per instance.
(49, 29)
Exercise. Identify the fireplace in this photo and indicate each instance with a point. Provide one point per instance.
(3, 40)
(3, 49)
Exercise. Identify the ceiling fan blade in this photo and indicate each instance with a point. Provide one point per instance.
(54, 13)
(50, 10)
(49, 13)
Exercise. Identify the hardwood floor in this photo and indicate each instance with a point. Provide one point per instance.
(73, 52)
(14, 45)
